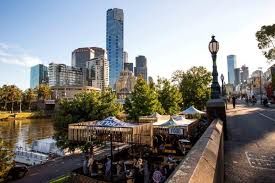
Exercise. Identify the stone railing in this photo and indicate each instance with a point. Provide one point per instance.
(205, 162)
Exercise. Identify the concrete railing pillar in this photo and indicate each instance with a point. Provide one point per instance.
(215, 108)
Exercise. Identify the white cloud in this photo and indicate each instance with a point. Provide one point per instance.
(17, 56)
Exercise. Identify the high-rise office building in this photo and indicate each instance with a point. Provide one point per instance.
(114, 43)
(39, 75)
(98, 70)
(129, 66)
(141, 67)
(231, 65)
(237, 74)
(63, 75)
(125, 57)
(244, 74)
(79, 58)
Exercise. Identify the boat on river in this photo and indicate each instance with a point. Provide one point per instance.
(41, 151)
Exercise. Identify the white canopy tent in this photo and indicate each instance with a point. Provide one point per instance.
(192, 111)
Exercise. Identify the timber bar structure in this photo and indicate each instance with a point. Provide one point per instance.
(131, 133)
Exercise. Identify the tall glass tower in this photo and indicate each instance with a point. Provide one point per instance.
(231, 65)
(114, 43)
(39, 75)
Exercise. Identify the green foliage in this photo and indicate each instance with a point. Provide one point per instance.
(28, 97)
(43, 91)
(142, 101)
(169, 96)
(9, 95)
(85, 106)
(266, 41)
(193, 86)
(6, 162)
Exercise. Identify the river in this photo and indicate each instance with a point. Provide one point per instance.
(24, 132)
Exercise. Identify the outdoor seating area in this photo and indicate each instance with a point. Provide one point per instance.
(136, 164)
(162, 140)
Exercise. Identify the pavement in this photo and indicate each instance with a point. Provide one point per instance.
(250, 148)
(62, 166)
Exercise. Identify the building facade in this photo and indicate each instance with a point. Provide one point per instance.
(125, 84)
(237, 75)
(98, 72)
(79, 58)
(69, 92)
(244, 74)
(129, 67)
(114, 43)
(270, 82)
(125, 57)
(63, 75)
(39, 75)
(141, 67)
(231, 65)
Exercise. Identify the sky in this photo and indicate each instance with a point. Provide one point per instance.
(172, 34)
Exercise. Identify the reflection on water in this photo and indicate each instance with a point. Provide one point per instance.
(23, 132)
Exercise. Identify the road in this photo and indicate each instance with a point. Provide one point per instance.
(62, 166)
(250, 148)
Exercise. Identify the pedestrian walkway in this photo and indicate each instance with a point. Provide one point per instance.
(62, 166)
(250, 148)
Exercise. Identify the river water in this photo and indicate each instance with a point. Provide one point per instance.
(24, 132)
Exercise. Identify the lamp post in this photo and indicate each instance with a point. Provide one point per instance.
(222, 78)
(215, 87)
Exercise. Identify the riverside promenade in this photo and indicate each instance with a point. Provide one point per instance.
(250, 148)
(65, 165)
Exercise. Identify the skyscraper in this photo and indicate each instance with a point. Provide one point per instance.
(129, 67)
(98, 70)
(39, 75)
(237, 73)
(231, 65)
(244, 74)
(125, 57)
(114, 43)
(79, 58)
(141, 67)
(63, 75)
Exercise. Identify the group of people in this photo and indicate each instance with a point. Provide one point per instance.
(138, 169)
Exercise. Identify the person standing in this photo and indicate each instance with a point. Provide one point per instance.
(234, 101)
(85, 166)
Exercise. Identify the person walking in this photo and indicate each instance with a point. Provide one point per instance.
(234, 101)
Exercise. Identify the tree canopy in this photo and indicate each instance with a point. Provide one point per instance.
(85, 106)
(266, 41)
(43, 91)
(142, 101)
(169, 96)
(193, 86)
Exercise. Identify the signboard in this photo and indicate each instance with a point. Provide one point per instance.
(49, 101)
(176, 131)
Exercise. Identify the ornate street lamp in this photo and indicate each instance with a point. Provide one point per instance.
(215, 87)
(222, 78)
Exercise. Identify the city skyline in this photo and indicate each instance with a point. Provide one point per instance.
(39, 33)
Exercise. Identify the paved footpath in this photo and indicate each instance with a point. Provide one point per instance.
(250, 148)
(56, 168)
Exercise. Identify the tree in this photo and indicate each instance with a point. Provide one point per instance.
(6, 162)
(193, 86)
(43, 92)
(86, 106)
(266, 41)
(29, 96)
(142, 101)
(169, 96)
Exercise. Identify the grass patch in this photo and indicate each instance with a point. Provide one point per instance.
(61, 179)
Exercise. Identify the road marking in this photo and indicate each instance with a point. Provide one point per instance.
(266, 116)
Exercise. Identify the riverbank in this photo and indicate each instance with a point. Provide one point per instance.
(24, 115)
